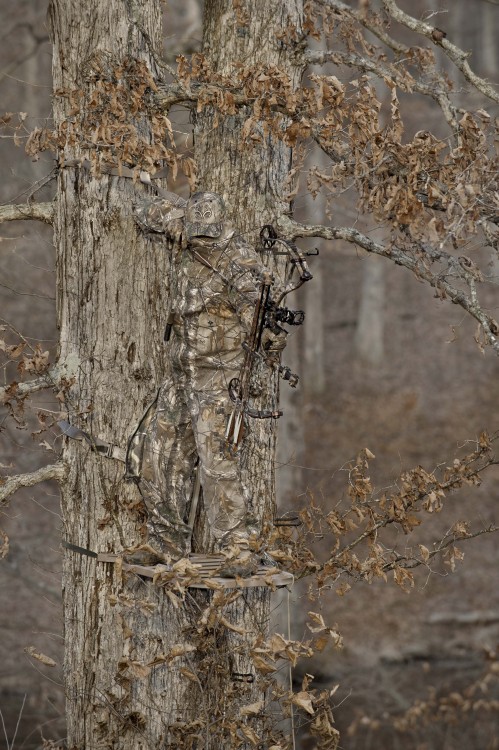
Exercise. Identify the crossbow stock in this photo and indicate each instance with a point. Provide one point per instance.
(268, 314)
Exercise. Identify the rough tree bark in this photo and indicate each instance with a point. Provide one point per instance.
(254, 182)
(252, 178)
(111, 304)
(121, 689)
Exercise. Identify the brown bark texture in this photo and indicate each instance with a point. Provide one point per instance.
(145, 667)
(111, 305)
(252, 178)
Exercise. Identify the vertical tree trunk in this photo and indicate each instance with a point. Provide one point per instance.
(111, 304)
(122, 688)
(251, 176)
(253, 181)
(369, 332)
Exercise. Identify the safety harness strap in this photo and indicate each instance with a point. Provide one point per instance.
(107, 450)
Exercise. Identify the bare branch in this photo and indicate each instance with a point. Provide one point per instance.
(438, 37)
(12, 484)
(414, 263)
(367, 23)
(407, 562)
(36, 211)
(19, 390)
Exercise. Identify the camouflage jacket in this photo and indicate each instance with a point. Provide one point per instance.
(214, 284)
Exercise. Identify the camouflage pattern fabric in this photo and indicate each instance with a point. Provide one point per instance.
(214, 284)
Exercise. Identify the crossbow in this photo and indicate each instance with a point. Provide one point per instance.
(268, 314)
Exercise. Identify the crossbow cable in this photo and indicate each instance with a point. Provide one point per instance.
(269, 238)
(239, 388)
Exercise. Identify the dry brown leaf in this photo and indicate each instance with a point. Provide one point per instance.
(251, 709)
(321, 642)
(15, 351)
(235, 628)
(303, 700)
(319, 620)
(138, 670)
(43, 658)
(189, 674)
(180, 649)
(262, 665)
(250, 734)
(425, 552)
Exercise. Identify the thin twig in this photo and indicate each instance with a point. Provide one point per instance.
(438, 37)
(36, 211)
(407, 562)
(18, 722)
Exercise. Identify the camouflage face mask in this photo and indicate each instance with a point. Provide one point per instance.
(204, 215)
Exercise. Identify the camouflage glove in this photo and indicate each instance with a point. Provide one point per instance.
(274, 341)
(160, 215)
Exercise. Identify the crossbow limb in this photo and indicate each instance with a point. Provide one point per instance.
(269, 238)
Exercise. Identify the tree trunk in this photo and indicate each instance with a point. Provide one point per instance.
(251, 176)
(253, 181)
(111, 304)
(369, 332)
(123, 686)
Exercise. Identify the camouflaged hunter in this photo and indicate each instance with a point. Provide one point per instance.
(214, 283)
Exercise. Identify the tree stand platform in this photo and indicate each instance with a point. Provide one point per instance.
(199, 572)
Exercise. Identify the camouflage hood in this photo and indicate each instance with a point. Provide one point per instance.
(204, 215)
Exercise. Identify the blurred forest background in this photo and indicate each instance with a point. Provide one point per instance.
(383, 365)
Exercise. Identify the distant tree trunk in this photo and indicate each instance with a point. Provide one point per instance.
(314, 381)
(291, 434)
(120, 690)
(489, 41)
(314, 208)
(369, 339)
(369, 332)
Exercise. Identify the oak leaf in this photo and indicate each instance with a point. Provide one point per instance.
(43, 658)
(303, 700)
(251, 709)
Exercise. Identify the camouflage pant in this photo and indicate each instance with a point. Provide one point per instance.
(182, 425)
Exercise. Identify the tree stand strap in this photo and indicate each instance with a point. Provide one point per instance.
(80, 550)
(135, 174)
(98, 446)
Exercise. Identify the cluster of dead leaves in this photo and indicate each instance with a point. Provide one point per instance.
(357, 531)
(115, 121)
(422, 186)
(465, 706)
